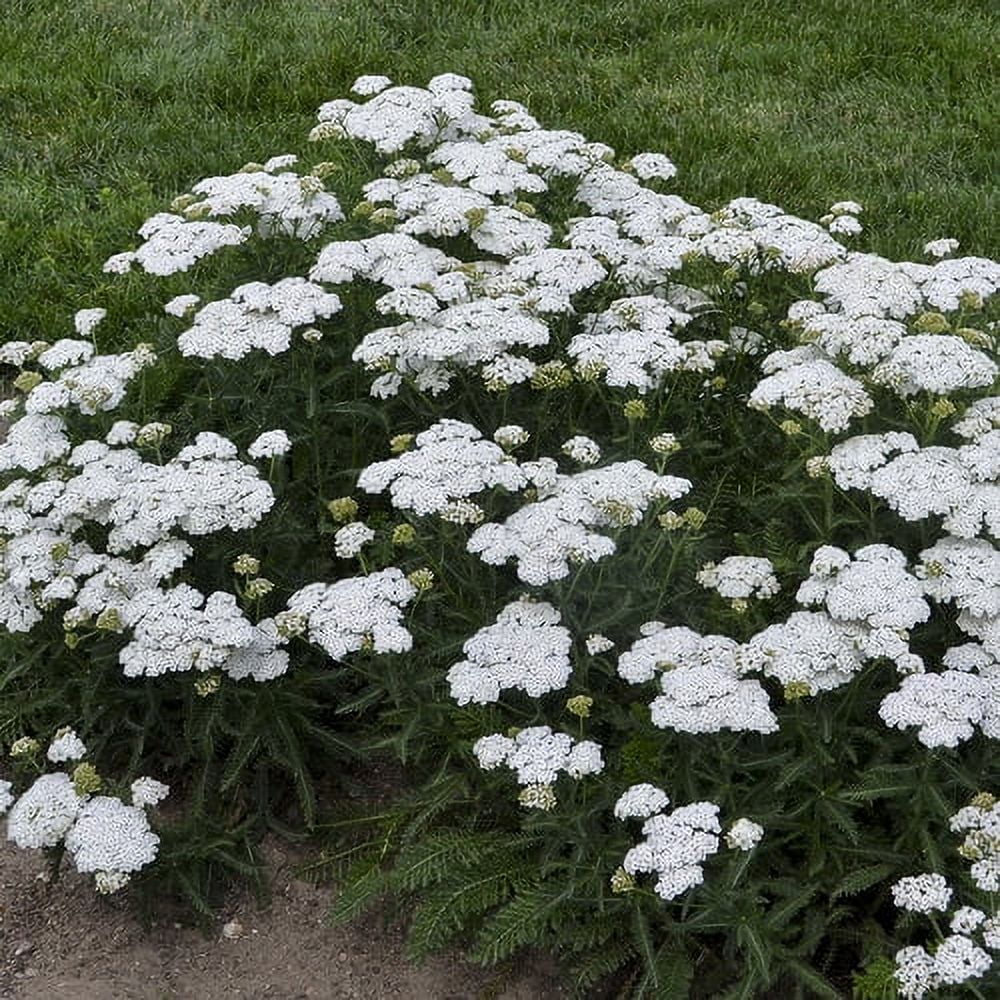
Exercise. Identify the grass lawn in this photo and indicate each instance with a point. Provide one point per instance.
(112, 107)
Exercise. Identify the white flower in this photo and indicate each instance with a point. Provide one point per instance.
(66, 746)
(958, 960)
(510, 436)
(181, 305)
(966, 919)
(740, 577)
(109, 836)
(744, 834)
(269, 445)
(941, 248)
(43, 814)
(351, 539)
(526, 649)
(648, 165)
(368, 86)
(676, 844)
(915, 974)
(342, 615)
(597, 644)
(148, 792)
(582, 449)
(922, 893)
(539, 755)
(451, 461)
(6, 796)
(642, 801)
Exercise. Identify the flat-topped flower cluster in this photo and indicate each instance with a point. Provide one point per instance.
(494, 269)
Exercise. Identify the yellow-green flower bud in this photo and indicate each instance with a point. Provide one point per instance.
(983, 800)
(404, 534)
(400, 443)
(86, 780)
(931, 322)
(59, 551)
(665, 444)
(970, 300)
(526, 208)
(200, 210)
(26, 746)
(343, 509)
(422, 579)
(580, 705)
(538, 797)
(207, 684)
(622, 881)
(695, 518)
(634, 409)
(817, 466)
(363, 210)
(384, 217)
(790, 427)
(942, 408)
(794, 690)
(109, 620)
(246, 565)
(552, 375)
(324, 169)
(27, 381)
(256, 589)
(671, 521)
(975, 337)
(475, 217)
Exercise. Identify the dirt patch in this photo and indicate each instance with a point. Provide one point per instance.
(64, 942)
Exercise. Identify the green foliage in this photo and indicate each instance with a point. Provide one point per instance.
(848, 806)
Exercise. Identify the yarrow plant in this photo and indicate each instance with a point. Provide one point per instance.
(579, 499)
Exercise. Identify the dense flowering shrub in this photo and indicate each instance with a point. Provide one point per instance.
(693, 664)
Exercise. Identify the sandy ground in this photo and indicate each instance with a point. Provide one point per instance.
(63, 942)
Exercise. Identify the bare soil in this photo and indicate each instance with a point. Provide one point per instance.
(64, 942)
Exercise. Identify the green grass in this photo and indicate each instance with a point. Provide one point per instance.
(111, 107)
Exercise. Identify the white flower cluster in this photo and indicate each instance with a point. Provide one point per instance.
(451, 461)
(256, 316)
(702, 690)
(740, 577)
(538, 756)
(545, 536)
(632, 343)
(357, 612)
(744, 834)
(676, 844)
(283, 201)
(96, 385)
(351, 539)
(959, 484)
(180, 629)
(101, 834)
(526, 649)
(957, 958)
(173, 244)
(980, 822)
(812, 386)
(809, 649)
(874, 597)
